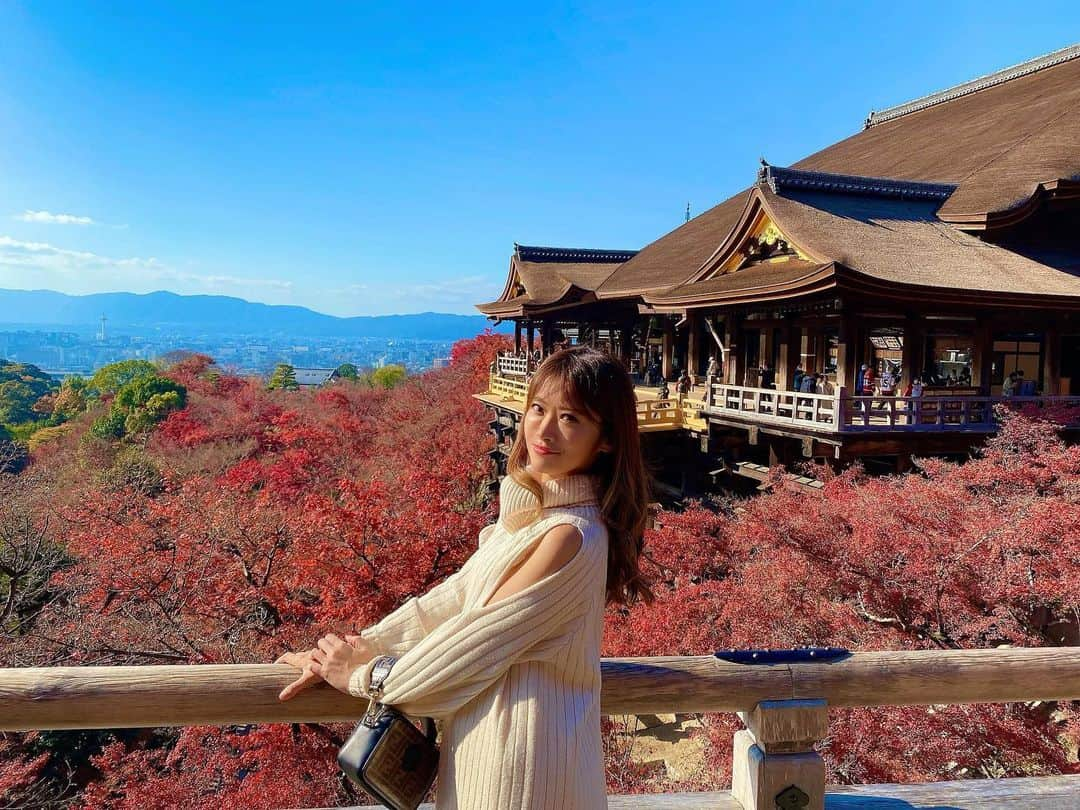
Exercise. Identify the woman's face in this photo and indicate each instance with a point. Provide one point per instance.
(560, 439)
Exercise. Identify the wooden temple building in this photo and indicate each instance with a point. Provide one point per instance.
(941, 243)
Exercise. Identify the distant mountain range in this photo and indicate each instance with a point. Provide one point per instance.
(223, 315)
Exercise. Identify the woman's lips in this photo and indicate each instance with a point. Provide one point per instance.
(543, 450)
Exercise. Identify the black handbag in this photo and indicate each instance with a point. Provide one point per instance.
(387, 755)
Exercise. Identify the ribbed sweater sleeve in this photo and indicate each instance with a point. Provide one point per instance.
(419, 615)
(470, 651)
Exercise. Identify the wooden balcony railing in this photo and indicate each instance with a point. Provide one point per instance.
(820, 413)
(784, 706)
(652, 413)
(512, 365)
(769, 405)
(508, 386)
(841, 412)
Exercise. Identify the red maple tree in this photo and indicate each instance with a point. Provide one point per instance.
(253, 521)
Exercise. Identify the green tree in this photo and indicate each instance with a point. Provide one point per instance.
(111, 378)
(347, 371)
(139, 405)
(388, 376)
(139, 392)
(22, 385)
(110, 425)
(17, 401)
(284, 377)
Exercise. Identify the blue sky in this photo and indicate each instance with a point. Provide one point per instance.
(362, 158)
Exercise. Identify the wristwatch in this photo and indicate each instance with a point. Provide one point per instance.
(378, 674)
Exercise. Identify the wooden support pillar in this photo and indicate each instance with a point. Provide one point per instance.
(821, 350)
(517, 337)
(693, 325)
(731, 340)
(847, 368)
(774, 763)
(911, 360)
(626, 342)
(765, 347)
(667, 347)
(790, 343)
(1052, 360)
(982, 357)
(529, 334)
(545, 338)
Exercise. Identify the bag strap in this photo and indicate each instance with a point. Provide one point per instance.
(378, 674)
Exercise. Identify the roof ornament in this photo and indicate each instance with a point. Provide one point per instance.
(765, 174)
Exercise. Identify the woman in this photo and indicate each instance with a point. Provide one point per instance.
(506, 652)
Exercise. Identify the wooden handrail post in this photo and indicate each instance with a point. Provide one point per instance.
(774, 763)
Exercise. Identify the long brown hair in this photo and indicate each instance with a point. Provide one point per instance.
(597, 384)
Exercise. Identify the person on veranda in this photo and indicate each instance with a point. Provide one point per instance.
(505, 653)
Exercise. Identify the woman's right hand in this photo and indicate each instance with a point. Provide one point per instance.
(303, 661)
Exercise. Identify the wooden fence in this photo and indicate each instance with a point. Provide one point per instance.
(784, 707)
(841, 412)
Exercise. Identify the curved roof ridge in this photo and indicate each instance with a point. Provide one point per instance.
(780, 177)
(533, 253)
(975, 85)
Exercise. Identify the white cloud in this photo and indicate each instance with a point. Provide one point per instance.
(79, 271)
(46, 256)
(53, 219)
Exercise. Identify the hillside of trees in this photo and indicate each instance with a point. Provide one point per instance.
(202, 518)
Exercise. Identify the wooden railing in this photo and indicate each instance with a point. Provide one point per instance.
(508, 386)
(784, 705)
(657, 412)
(819, 411)
(934, 413)
(651, 413)
(841, 412)
(510, 365)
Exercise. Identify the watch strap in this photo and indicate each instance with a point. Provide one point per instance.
(379, 671)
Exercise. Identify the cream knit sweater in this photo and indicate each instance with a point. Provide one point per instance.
(514, 684)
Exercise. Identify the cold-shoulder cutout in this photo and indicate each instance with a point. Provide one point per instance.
(556, 548)
(468, 652)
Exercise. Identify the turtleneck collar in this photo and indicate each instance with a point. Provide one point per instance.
(516, 502)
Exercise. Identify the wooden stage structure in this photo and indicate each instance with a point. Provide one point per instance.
(921, 272)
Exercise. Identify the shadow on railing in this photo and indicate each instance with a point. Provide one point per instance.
(783, 704)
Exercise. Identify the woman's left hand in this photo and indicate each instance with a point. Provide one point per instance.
(335, 660)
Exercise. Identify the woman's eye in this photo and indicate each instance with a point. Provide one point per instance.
(569, 417)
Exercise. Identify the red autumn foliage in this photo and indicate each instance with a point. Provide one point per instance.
(284, 515)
